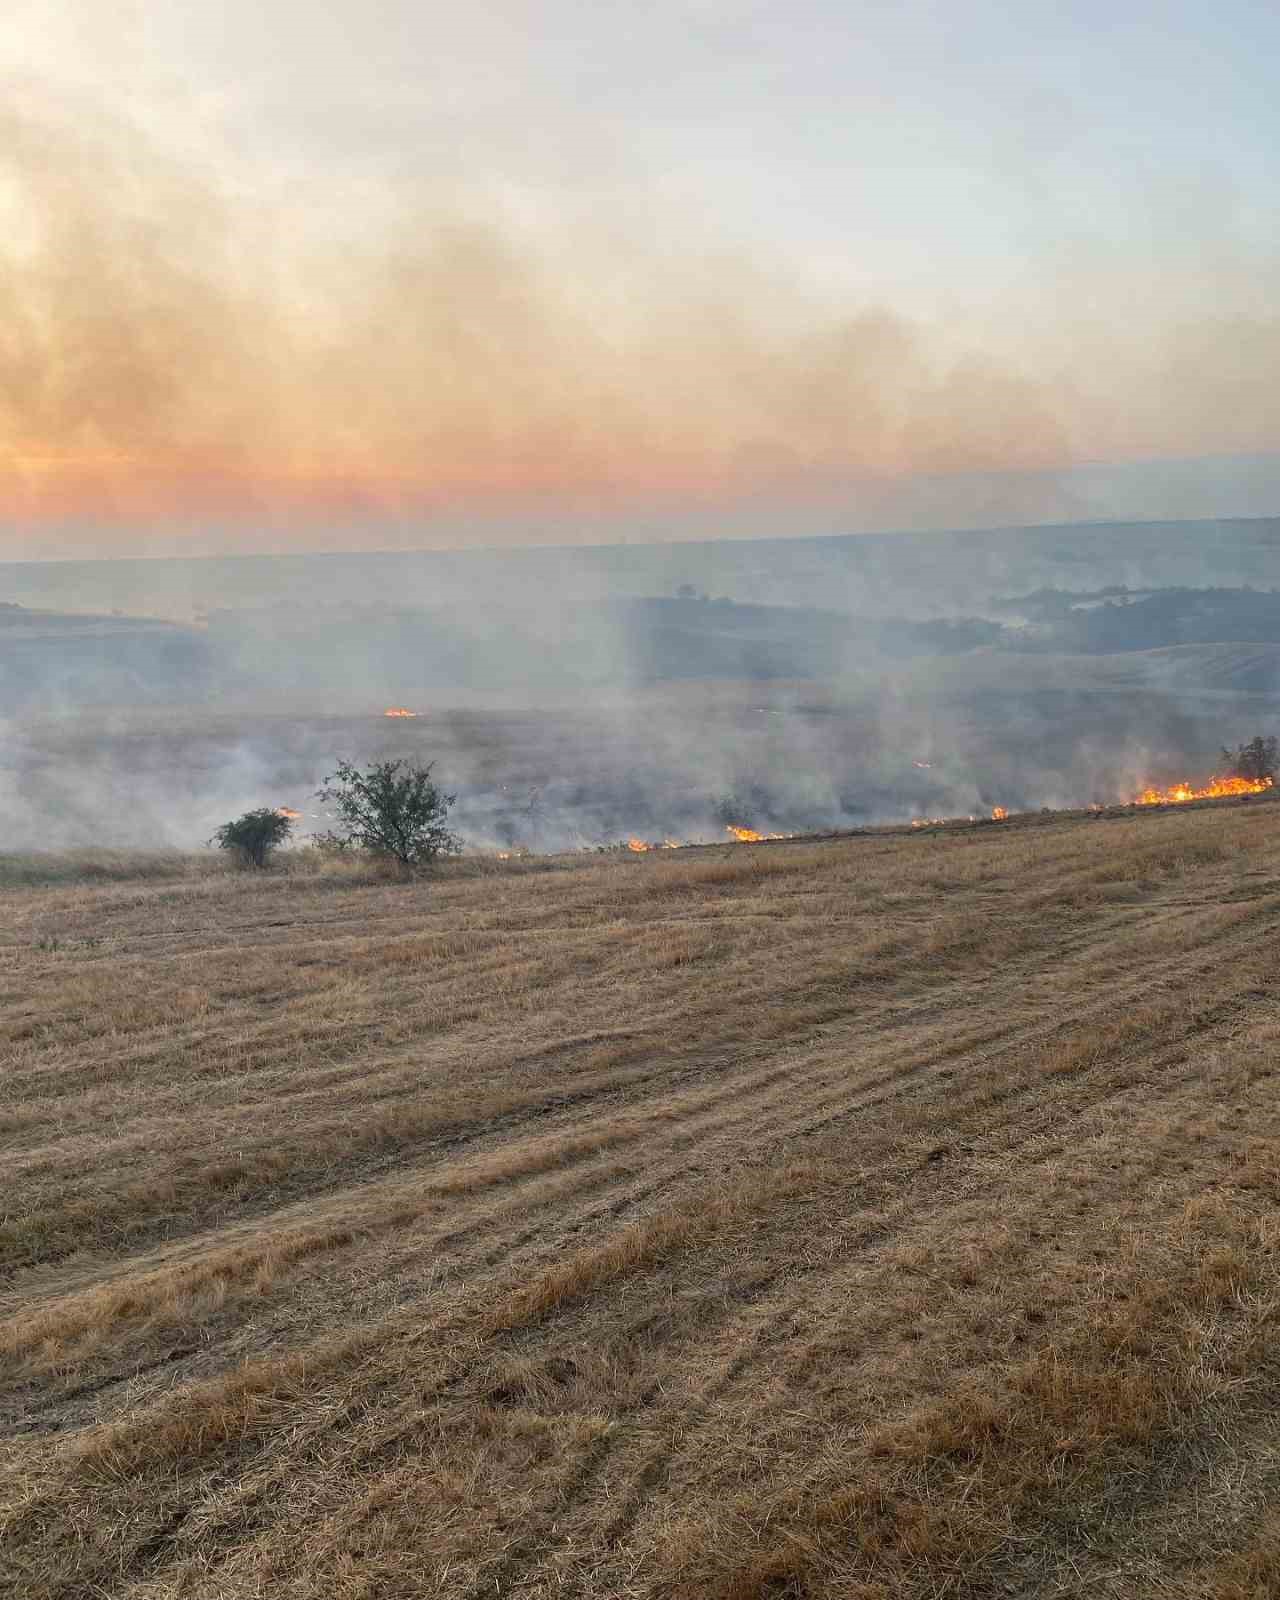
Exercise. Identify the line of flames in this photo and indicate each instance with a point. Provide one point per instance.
(742, 835)
(1176, 794)
(1216, 789)
(998, 814)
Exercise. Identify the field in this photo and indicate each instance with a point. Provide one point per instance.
(874, 1217)
(929, 739)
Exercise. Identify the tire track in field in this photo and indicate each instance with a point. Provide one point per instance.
(362, 1073)
(623, 1082)
(462, 1366)
(1008, 1139)
(815, 1093)
(631, 1485)
(731, 1089)
(807, 1124)
(855, 1095)
(801, 1118)
(1155, 1138)
(774, 1319)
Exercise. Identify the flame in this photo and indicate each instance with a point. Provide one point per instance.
(1216, 789)
(742, 835)
(999, 813)
(399, 711)
(288, 812)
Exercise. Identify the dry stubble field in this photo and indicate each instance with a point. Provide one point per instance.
(876, 1217)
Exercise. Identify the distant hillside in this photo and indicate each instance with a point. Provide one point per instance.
(358, 653)
(917, 574)
(1120, 618)
(1180, 642)
(1221, 668)
(52, 658)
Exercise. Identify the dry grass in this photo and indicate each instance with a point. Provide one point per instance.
(42, 869)
(887, 1216)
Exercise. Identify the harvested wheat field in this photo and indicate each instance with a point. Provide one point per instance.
(882, 1216)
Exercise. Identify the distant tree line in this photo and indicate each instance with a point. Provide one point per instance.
(1113, 620)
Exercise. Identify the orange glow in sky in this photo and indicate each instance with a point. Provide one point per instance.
(405, 280)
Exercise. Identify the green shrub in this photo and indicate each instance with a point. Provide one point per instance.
(392, 809)
(254, 836)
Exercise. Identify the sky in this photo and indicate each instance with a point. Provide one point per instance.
(403, 273)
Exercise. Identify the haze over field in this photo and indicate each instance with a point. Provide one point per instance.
(569, 705)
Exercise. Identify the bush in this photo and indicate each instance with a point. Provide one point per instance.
(254, 836)
(392, 809)
(1256, 760)
(329, 844)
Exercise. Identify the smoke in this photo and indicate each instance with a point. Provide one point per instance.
(658, 763)
(227, 327)
(185, 365)
(172, 353)
(146, 742)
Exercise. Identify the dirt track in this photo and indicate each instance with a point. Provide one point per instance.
(880, 1216)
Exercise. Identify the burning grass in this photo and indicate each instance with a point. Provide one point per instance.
(889, 1216)
(1215, 789)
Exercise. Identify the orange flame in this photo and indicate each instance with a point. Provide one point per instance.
(638, 845)
(1215, 789)
(999, 813)
(288, 812)
(399, 711)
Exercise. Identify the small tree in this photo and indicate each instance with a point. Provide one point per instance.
(254, 835)
(1256, 760)
(392, 809)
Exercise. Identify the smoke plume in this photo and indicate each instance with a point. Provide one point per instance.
(183, 363)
